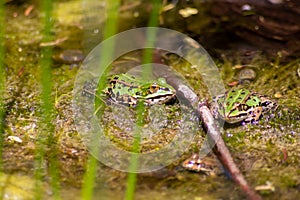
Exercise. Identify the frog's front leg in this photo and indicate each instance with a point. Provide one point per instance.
(254, 115)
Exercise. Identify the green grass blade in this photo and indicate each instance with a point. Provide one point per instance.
(147, 58)
(110, 29)
(2, 80)
(89, 178)
(46, 147)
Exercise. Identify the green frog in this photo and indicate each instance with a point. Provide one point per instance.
(239, 105)
(128, 90)
(234, 106)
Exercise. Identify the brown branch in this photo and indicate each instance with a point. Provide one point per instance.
(222, 152)
(186, 93)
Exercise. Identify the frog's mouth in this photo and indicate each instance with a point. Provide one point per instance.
(161, 99)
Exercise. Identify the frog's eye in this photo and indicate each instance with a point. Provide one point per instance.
(245, 107)
(153, 88)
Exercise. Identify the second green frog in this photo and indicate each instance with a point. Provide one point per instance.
(239, 105)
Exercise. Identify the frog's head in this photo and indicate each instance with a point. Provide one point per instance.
(158, 93)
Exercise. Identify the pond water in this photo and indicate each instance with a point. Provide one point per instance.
(268, 153)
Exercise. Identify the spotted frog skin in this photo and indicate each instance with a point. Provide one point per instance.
(128, 90)
(239, 105)
(208, 165)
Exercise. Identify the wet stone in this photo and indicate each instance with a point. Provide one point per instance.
(246, 74)
(69, 57)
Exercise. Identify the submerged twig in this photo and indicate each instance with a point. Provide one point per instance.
(53, 43)
(222, 151)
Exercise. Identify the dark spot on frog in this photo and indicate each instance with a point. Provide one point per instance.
(266, 103)
(240, 98)
(112, 82)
